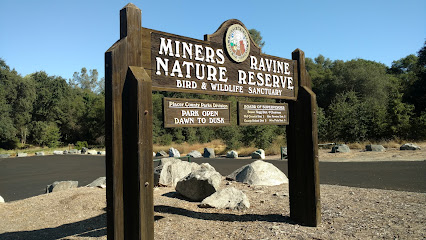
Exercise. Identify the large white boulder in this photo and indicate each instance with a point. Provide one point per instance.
(194, 154)
(228, 198)
(259, 173)
(340, 148)
(99, 182)
(61, 185)
(171, 170)
(409, 146)
(258, 154)
(200, 183)
(173, 152)
(232, 154)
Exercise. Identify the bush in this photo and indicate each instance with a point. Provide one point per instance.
(81, 144)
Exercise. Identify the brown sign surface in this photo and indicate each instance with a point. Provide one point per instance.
(180, 112)
(259, 113)
(227, 63)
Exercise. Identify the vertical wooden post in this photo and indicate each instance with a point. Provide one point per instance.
(124, 53)
(302, 144)
(137, 153)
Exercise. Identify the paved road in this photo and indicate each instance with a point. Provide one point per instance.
(26, 177)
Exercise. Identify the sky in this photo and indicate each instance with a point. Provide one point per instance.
(62, 36)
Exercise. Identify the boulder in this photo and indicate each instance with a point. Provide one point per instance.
(61, 185)
(409, 146)
(58, 152)
(153, 154)
(65, 152)
(199, 184)
(173, 152)
(228, 198)
(39, 153)
(161, 153)
(374, 148)
(4, 155)
(171, 170)
(340, 148)
(284, 153)
(73, 151)
(209, 153)
(194, 154)
(84, 150)
(259, 173)
(258, 154)
(99, 182)
(21, 154)
(232, 154)
(92, 152)
(103, 153)
(1, 199)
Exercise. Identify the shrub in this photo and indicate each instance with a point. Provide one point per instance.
(81, 144)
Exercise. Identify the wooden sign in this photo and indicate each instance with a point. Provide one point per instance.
(180, 112)
(228, 62)
(260, 113)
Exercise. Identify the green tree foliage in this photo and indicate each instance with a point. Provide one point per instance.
(8, 130)
(357, 100)
(46, 134)
(257, 38)
(88, 80)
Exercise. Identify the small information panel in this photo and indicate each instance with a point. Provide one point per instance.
(179, 112)
(260, 113)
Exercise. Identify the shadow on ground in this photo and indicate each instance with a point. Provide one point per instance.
(92, 227)
(96, 226)
(225, 217)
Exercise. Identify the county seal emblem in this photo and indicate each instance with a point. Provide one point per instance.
(237, 43)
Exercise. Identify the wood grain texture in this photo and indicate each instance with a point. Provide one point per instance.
(124, 53)
(302, 144)
(137, 154)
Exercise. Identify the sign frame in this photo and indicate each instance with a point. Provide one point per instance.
(128, 128)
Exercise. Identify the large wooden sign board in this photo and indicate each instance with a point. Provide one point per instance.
(227, 62)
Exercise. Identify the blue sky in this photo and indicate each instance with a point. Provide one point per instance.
(62, 36)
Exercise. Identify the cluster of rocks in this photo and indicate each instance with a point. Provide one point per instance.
(59, 152)
(65, 185)
(84, 150)
(202, 182)
(173, 152)
(343, 148)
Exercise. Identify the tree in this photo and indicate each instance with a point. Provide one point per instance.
(8, 79)
(347, 117)
(88, 81)
(257, 38)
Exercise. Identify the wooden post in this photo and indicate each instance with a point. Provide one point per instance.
(137, 155)
(302, 144)
(124, 53)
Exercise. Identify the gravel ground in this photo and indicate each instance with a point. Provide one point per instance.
(347, 213)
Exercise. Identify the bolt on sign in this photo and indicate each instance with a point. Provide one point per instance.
(258, 113)
(180, 112)
(226, 63)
